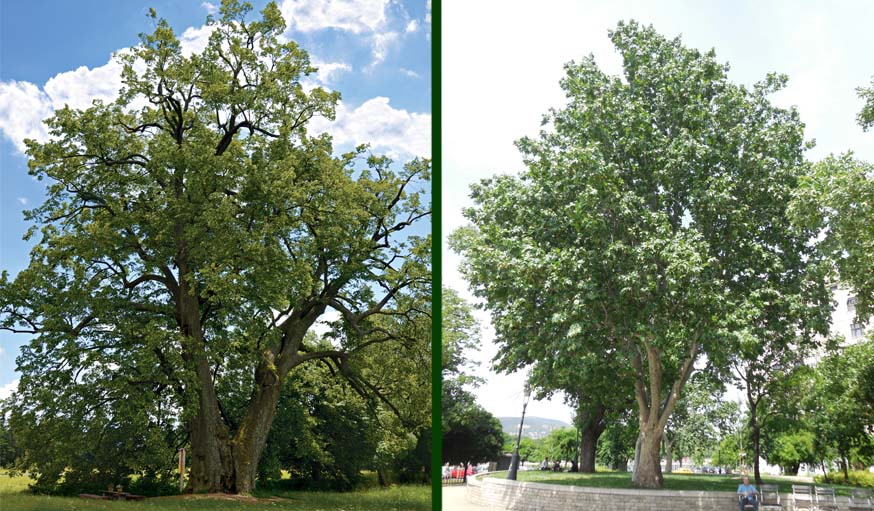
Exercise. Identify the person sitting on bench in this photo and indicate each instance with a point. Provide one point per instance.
(747, 495)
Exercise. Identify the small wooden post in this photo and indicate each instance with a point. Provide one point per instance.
(182, 469)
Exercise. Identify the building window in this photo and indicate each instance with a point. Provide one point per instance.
(857, 330)
(851, 304)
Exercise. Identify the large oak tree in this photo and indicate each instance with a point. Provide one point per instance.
(651, 206)
(194, 232)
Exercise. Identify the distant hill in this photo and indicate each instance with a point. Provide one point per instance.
(534, 427)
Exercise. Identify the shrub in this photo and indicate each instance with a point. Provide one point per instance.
(861, 478)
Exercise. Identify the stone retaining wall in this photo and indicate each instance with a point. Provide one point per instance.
(497, 493)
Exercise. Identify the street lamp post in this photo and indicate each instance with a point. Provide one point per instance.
(514, 462)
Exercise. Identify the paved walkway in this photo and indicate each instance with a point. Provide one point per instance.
(455, 499)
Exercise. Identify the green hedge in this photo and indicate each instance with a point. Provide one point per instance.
(861, 478)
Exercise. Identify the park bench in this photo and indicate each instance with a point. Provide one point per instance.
(802, 497)
(120, 495)
(861, 500)
(769, 498)
(825, 499)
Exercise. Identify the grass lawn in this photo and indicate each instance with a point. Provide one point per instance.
(13, 497)
(702, 482)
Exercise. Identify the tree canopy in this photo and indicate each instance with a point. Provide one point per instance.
(193, 233)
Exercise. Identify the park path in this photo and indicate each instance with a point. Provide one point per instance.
(455, 499)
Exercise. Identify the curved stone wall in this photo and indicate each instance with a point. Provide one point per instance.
(496, 493)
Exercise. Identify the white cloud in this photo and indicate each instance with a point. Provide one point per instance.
(382, 44)
(8, 389)
(412, 26)
(79, 88)
(194, 40)
(22, 108)
(23, 201)
(356, 16)
(397, 132)
(210, 8)
(330, 71)
(410, 73)
(428, 11)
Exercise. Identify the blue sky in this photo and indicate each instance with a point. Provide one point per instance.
(502, 61)
(377, 53)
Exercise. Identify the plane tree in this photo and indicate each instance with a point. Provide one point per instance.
(194, 232)
(651, 205)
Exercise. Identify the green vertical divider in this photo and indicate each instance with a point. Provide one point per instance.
(436, 259)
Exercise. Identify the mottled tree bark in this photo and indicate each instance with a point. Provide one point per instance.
(654, 410)
(648, 469)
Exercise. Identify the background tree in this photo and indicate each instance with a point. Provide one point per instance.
(727, 454)
(9, 451)
(789, 449)
(529, 449)
(193, 233)
(561, 444)
(699, 421)
(324, 434)
(779, 332)
(836, 199)
(837, 420)
(866, 115)
(787, 435)
(460, 335)
(470, 433)
(589, 382)
(648, 212)
(617, 442)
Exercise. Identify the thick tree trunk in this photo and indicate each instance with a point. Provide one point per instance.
(221, 462)
(588, 449)
(212, 468)
(591, 426)
(230, 465)
(248, 443)
(211, 459)
(648, 469)
(654, 411)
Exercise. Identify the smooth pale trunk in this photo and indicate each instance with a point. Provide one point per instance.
(669, 456)
(648, 466)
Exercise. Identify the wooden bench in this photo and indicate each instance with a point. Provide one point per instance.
(825, 499)
(861, 500)
(120, 495)
(802, 497)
